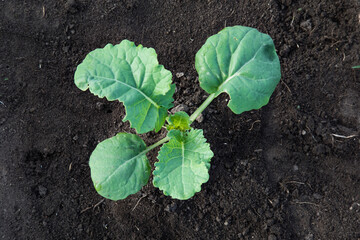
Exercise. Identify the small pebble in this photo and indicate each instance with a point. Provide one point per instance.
(284, 51)
(268, 214)
(270, 222)
(275, 229)
(295, 167)
(66, 49)
(42, 190)
(317, 196)
(100, 106)
(306, 25)
(200, 118)
(310, 236)
(179, 74)
(80, 227)
(272, 237)
(171, 207)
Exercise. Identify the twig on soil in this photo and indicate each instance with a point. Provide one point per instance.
(295, 182)
(43, 11)
(84, 210)
(312, 135)
(137, 203)
(284, 188)
(99, 203)
(286, 86)
(310, 203)
(94, 206)
(292, 20)
(312, 30)
(337, 42)
(342, 136)
(252, 125)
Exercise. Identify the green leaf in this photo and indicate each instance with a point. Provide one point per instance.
(119, 166)
(133, 76)
(179, 121)
(356, 67)
(183, 164)
(242, 62)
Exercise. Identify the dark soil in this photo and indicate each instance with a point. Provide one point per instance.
(288, 171)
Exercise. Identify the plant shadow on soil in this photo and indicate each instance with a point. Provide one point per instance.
(287, 171)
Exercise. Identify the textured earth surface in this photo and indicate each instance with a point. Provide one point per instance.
(290, 170)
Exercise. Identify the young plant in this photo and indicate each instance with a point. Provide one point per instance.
(239, 61)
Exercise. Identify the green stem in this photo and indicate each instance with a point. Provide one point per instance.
(202, 107)
(164, 140)
(192, 118)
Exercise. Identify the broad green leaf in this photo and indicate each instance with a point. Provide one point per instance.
(179, 121)
(133, 76)
(183, 164)
(119, 166)
(242, 62)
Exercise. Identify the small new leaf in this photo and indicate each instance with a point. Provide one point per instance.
(133, 76)
(119, 166)
(183, 164)
(178, 121)
(242, 62)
